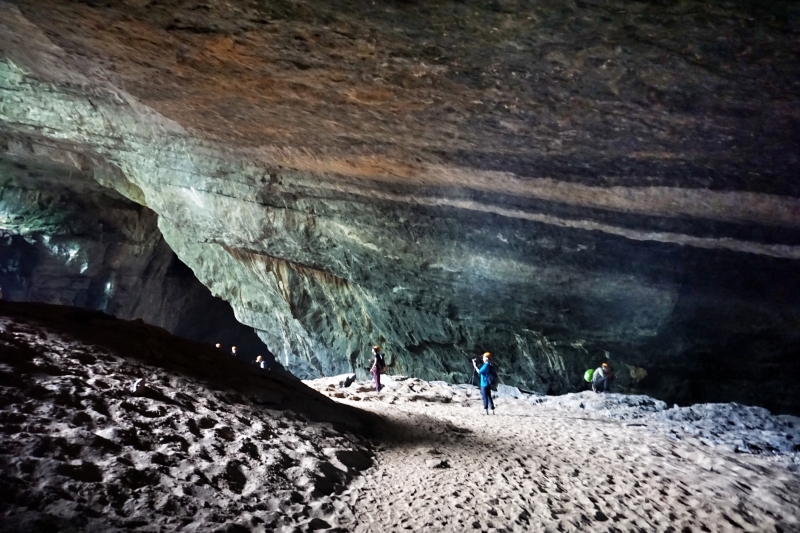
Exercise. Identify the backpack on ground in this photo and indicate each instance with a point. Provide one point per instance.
(588, 375)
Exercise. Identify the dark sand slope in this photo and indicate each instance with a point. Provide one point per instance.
(205, 444)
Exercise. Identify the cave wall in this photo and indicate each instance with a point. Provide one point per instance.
(67, 240)
(582, 184)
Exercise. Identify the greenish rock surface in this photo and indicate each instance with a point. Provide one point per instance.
(68, 240)
(574, 185)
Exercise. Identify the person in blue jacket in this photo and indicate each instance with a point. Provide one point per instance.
(486, 388)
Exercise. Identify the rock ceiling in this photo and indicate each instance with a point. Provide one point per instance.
(559, 182)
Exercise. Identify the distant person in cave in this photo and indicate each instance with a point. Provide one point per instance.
(487, 375)
(378, 366)
(260, 363)
(218, 345)
(233, 351)
(602, 378)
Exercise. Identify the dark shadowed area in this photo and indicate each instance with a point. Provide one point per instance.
(109, 425)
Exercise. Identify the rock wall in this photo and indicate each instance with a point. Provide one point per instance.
(579, 184)
(68, 240)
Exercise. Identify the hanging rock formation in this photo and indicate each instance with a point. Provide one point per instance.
(557, 183)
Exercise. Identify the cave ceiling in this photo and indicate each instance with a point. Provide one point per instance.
(559, 182)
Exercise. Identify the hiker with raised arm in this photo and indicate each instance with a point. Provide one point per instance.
(488, 377)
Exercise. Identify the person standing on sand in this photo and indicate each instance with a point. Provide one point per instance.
(378, 366)
(602, 378)
(486, 387)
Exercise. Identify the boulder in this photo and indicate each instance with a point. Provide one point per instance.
(507, 391)
(390, 382)
(341, 381)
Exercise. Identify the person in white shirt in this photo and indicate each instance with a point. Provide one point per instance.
(602, 378)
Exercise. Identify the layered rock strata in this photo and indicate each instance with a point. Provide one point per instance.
(559, 184)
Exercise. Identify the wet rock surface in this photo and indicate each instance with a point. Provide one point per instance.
(557, 183)
(109, 425)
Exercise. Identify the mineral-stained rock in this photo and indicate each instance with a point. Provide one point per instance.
(557, 183)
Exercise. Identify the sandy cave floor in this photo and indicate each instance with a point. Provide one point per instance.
(534, 468)
(205, 445)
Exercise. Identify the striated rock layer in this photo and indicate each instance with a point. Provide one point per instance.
(559, 184)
